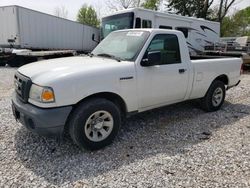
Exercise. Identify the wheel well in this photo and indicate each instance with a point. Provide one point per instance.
(116, 99)
(222, 78)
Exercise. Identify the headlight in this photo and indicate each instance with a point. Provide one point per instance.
(41, 94)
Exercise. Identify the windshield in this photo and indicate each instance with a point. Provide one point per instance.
(123, 45)
(116, 22)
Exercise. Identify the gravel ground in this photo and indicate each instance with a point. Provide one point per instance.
(175, 146)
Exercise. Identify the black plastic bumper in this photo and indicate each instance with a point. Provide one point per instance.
(47, 122)
(229, 87)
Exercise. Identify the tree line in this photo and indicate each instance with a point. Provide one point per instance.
(237, 24)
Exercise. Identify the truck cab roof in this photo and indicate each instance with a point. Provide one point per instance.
(153, 30)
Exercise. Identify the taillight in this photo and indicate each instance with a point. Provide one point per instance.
(241, 69)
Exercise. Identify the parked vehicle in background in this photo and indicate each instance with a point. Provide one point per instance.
(233, 47)
(130, 71)
(198, 32)
(236, 43)
(23, 28)
(229, 41)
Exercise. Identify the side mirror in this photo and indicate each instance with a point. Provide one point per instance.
(93, 38)
(152, 58)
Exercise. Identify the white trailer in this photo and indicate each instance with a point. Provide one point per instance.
(29, 29)
(198, 32)
(32, 31)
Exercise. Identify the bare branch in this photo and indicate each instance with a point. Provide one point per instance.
(224, 8)
(123, 4)
(211, 2)
(61, 12)
(228, 6)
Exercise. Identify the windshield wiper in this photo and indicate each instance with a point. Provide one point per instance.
(110, 56)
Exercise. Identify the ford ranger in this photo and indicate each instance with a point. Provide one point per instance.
(130, 71)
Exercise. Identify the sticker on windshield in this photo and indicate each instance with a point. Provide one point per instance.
(134, 33)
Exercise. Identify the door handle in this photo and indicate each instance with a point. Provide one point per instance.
(181, 71)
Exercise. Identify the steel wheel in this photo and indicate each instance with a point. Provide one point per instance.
(99, 126)
(214, 98)
(217, 97)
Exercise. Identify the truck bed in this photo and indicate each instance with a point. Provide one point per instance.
(208, 57)
(204, 72)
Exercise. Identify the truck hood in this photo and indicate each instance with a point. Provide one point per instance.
(44, 71)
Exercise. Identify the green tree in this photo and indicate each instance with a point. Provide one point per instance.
(181, 7)
(236, 25)
(227, 28)
(201, 8)
(197, 8)
(242, 18)
(151, 4)
(87, 15)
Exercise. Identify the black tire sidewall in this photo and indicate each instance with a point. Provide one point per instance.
(83, 112)
(207, 101)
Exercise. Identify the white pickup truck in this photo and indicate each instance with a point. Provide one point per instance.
(130, 71)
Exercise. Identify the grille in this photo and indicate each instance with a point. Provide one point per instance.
(22, 86)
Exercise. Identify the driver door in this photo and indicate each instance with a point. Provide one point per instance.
(165, 80)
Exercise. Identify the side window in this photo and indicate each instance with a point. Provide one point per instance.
(165, 27)
(183, 30)
(146, 24)
(138, 23)
(167, 46)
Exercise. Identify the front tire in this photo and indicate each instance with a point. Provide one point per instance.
(214, 97)
(95, 123)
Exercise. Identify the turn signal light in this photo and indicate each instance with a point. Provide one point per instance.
(47, 95)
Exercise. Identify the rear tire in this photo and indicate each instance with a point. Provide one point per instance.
(94, 123)
(16, 61)
(2, 64)
(214, 97)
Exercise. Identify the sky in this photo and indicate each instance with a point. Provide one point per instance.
(49, 6)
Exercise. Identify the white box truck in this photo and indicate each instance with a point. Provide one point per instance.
(24, 28)
(198, 32)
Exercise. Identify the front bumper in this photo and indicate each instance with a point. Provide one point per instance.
(47, 122)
